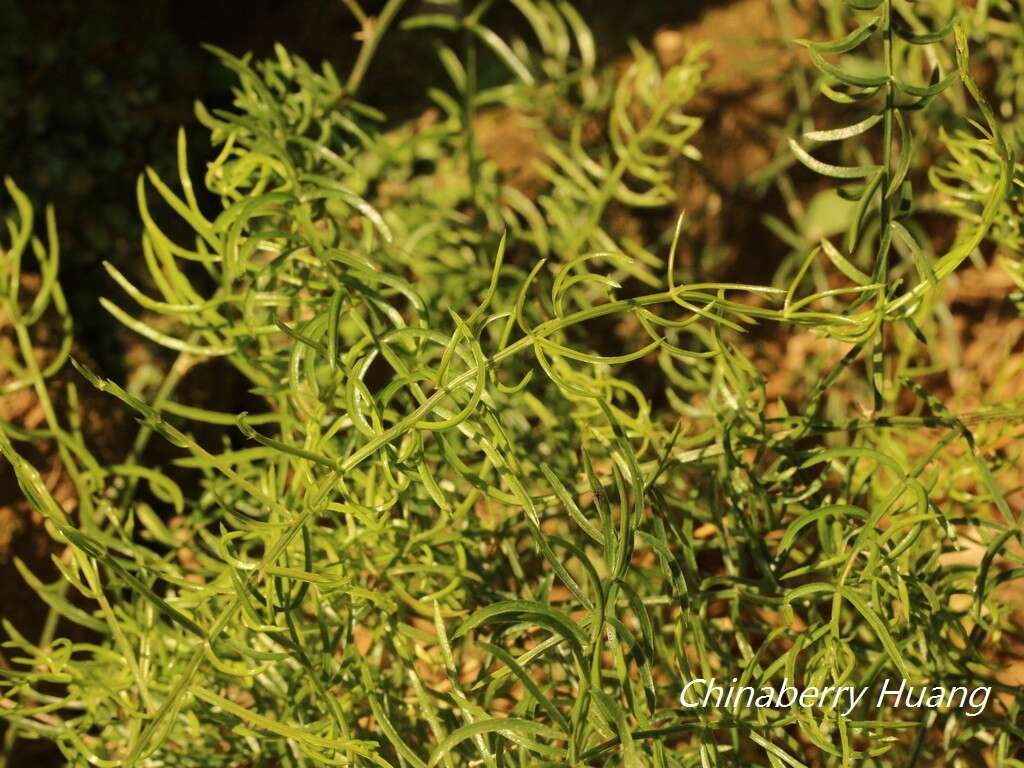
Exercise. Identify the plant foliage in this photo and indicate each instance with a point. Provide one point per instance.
(514, 476)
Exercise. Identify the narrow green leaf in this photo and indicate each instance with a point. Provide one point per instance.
(834, 171)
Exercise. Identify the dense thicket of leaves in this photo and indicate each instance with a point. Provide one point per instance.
(515, 476)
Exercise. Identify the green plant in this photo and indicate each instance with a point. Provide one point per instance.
(469, 526)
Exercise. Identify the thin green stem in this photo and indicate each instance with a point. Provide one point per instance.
(373, 31)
